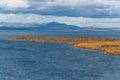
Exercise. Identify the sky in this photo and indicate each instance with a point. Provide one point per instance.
(82, 13)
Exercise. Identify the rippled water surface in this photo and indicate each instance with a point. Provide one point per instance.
(45, 61)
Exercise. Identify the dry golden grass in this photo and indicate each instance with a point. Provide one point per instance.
(109, 46)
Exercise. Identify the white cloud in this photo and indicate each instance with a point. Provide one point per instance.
(112, 6)
(78, 21)
(13, 4)
(72, 3)
(78, 7)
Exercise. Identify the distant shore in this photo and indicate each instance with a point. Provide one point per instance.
(109, 46)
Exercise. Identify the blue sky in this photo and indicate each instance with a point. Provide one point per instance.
(98, 13)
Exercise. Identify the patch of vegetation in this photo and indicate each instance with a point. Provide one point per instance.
(109, 46)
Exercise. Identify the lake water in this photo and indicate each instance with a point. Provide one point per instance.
(46, 61)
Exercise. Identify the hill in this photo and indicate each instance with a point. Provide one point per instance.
(55, 26)
(32, 26)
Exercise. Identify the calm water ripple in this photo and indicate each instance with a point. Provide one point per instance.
(45, 61)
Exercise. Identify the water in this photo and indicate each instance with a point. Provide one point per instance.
(46, 61)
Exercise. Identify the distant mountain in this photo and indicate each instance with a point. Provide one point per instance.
(49, 26)
(104, 29)
(18, 25)
(55, 26)
(11, 28)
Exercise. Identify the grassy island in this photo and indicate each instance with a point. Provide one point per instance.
(109, 46)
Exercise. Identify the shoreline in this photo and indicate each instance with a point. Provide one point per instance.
(106, 45)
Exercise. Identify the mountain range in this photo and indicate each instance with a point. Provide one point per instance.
(53, 26)
(33, 26)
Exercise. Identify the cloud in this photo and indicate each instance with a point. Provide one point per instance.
(76, 3)
(77, 8)
(78, 21)
(73, 8)
(13, 4)
(73, 4)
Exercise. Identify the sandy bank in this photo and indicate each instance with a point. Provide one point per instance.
(109, 46)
